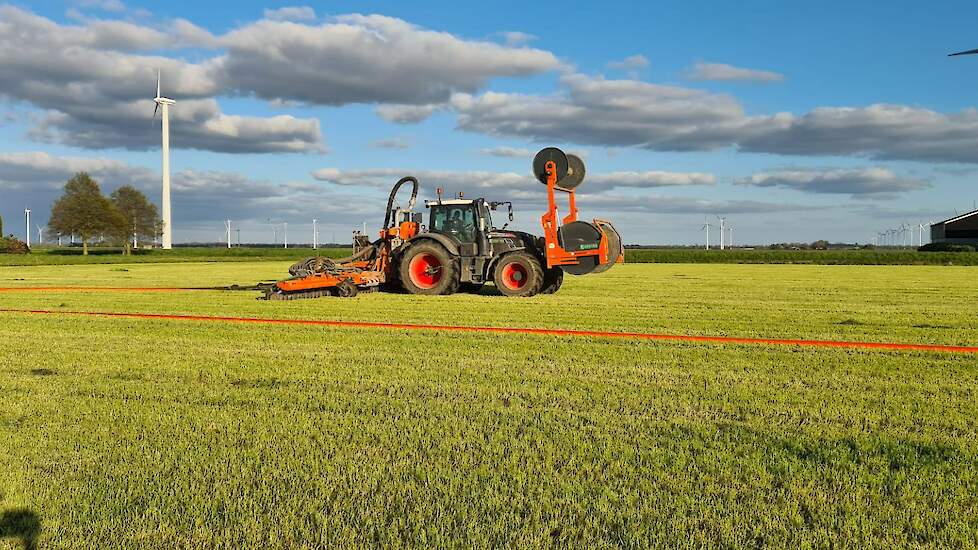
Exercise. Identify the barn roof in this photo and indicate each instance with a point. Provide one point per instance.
(956, 218)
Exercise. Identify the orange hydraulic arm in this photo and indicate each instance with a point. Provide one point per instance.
(556, 254)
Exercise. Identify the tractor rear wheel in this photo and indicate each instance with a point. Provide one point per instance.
(518, 274)
(552, 279)
(427, 268)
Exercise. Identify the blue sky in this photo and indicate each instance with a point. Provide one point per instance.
(796, 122)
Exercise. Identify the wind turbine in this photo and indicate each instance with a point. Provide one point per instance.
(707, 226)
(27, 227)
(285, 233)
(227, 225)
(966, 52)
(165, 103)
(920, 234)
(722, 220)
(730, 237)
(40, 234)
(315, 234)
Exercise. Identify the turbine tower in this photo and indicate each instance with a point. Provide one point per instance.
(707, 226)
(27, 226)
(165, 103)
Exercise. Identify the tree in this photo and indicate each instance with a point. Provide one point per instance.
(138, 216)
(84, 210)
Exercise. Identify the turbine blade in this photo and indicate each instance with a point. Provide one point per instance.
(158, 82)
(155, 109)
(966, 52)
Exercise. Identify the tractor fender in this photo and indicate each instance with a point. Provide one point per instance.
(450, 243)
(533, 244)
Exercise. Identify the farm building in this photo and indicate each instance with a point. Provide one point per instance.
(961, 229)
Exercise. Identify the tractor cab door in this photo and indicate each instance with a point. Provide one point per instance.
(460, 221)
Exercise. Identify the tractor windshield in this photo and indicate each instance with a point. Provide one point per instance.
(456, 220)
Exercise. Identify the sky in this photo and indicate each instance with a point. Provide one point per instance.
(828, 120)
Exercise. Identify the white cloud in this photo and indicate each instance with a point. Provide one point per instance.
(511, 181)
(291, 13)
(630, 113)
(724, 72)
(630, 63)
(853, 181)
(95, 94)
(508, 152)
(517, 38)
(365, 59)
(392, 143)
(407, 114)
(608, 112)
(115, 6)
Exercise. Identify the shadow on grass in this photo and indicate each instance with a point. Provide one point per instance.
(22, 524)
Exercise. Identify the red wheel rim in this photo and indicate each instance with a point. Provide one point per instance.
(425, 270)
(514, 276)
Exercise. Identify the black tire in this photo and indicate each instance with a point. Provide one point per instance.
(470, 288)
(552, 279)
(518, 274)
(427, 268)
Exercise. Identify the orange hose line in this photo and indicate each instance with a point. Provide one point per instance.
(94, 288)
(518, 330)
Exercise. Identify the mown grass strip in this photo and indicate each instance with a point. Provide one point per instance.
(895, 346)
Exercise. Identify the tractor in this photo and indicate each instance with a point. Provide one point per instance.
(461, 249)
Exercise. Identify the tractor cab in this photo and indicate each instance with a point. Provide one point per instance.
(467, 221)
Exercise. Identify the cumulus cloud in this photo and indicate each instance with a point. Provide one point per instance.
(392, 143)
(96, 94)
(517, 38)
(365, 59)
(94, 80)
(724, 72)
(609, 112)
(510, 181)
(291, 13)
(39, 171)
(878, 131)
(630, 63)
(508, 152)
(407, 114)
(852, 181)
(629, 113)
(115, 6)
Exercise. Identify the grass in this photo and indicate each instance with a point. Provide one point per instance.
(156, 434)
(883, 256)
(111, 255)
(880, 256)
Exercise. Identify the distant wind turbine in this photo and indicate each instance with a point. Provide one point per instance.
(707, 227)
(165, 103)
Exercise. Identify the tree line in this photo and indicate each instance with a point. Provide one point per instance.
(83, 210)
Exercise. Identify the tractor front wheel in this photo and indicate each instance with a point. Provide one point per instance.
(552, 279)
(427, 268)
(518, 274)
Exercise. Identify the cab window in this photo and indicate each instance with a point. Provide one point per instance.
(458, 221)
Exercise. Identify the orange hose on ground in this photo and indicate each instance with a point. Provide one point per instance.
(517, 330)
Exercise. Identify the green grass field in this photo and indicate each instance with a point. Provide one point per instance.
(159, 434)
(883, 256)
